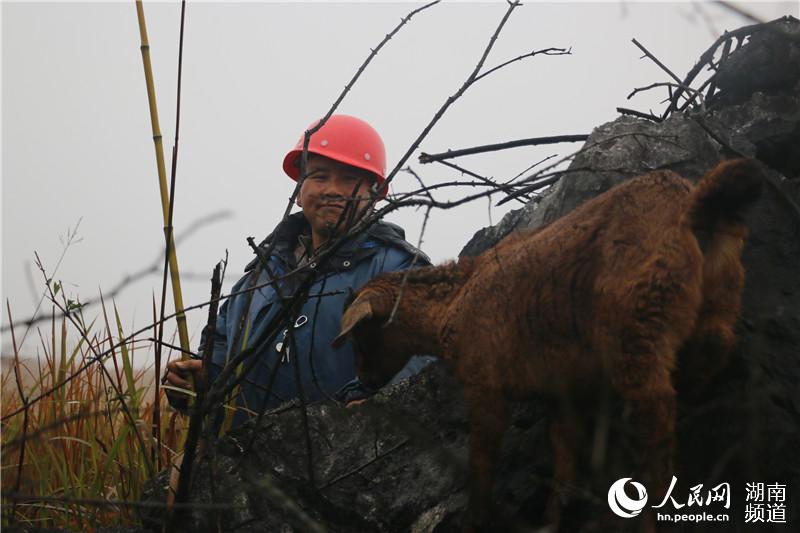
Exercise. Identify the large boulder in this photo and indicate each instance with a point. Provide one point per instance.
(395, 463)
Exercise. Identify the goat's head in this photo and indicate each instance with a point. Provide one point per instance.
(381, 348)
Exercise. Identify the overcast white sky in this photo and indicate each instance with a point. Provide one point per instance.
(76, 138)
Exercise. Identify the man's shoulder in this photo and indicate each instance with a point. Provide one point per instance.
(283, 238)
(392, 236)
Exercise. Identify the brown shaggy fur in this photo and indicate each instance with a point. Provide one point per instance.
(608, 294)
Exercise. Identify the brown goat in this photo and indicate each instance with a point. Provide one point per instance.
(608, 294)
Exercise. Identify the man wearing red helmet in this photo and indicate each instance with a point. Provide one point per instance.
(346, 167)
(346, 162)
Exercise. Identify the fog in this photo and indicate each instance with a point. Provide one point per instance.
(77, 148)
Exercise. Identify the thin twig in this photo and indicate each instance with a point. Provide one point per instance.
(528, 169)
(638, 114)
(637, 90)
(416, 176)
(410, 267)
(498, 186)
(712, 81)
(657, 62)
(168, 231)
(16, 497)
(451, 99)
(198, 412)
(189, 353)
(180, 318)
(70, 240)
(489, 181)
(535, 141)
(541, 184)
(371, 462)
(545, 51)
(708, 56)
(25, 405)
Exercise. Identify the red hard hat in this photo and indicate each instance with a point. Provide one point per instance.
(345, 139)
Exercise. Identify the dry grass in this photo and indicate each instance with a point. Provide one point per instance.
(91, 439)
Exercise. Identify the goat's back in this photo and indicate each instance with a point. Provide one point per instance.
(618, 274)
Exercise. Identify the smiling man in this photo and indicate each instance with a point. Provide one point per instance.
(346, 168)
(330, 190)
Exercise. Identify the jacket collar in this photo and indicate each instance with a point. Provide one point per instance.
(287, 233)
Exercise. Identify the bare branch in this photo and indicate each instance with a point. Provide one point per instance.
(656, 61)
(371, 462)
(639, 114)
(16, 497)
(467, 83)
(694, 92)
(708, 56)
(541, 184)
(424, 188)
(168, 234)
(546, 51)
(535, 141)
(201, 384)
(25, 405)
(408, 270)
(528, 169)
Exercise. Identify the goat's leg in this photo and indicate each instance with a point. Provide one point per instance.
(489, 417)
(663, 314)
(652, 413)
(562, 437)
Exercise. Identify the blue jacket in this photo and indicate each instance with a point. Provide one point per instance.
(325, 372)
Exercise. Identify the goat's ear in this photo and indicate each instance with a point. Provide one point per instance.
(359, 311)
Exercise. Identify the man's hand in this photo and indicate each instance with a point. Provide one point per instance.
(179, 374)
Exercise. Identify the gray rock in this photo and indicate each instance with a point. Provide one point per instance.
(395, 463)
(771, 60)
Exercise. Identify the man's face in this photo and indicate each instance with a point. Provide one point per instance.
(326, 194)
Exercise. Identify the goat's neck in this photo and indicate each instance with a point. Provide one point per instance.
(424, 298)
(418, 316)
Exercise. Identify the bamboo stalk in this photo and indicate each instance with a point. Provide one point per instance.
(162, 182)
